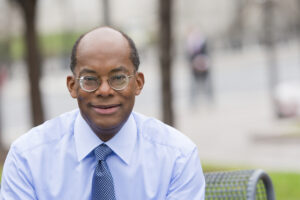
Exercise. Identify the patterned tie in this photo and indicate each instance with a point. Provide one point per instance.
(103, 186)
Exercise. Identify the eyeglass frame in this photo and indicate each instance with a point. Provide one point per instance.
(99, 83)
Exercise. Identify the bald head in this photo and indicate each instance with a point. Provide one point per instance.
(104, 39)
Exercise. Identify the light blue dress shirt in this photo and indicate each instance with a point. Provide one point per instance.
(55, 161)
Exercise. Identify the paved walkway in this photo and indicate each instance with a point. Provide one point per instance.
(242, 133)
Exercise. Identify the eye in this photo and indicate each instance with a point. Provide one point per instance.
(89, 78)
(118, 77)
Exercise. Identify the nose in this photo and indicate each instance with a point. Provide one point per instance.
(104, 89)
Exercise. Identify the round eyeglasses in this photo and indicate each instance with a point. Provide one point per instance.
(116, 82)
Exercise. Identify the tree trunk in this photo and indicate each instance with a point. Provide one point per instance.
(5, 64)
(165, 45)
(33, 59)
(106, 13)
(298, 25)
(270, 48)
(236, 29)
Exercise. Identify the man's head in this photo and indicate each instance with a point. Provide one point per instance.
(105, 80)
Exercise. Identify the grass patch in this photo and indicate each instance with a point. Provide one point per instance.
(286, 185)
(50, 45)
(57, 44)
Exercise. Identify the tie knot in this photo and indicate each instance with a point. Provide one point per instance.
(102, 151)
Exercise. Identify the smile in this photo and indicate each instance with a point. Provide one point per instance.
(106, 109)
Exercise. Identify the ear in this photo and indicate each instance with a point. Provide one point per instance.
(71, 84)
(140, 81)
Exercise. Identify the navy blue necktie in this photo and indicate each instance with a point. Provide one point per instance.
(102, 186)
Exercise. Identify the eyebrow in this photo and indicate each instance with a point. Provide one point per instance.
(86, 71)
(121, 68)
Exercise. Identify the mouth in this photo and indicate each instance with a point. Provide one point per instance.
(106, 109)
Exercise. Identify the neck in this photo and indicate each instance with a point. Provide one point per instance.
(105, 135)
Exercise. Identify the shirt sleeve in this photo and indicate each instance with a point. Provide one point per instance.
(188, 179)
(16, 183)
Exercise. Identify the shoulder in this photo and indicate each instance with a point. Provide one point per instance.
(49, 132)
(159, 133)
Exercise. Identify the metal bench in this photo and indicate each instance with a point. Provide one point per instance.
(239, 185)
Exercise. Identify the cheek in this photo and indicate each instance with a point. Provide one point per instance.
(130, 94)
(134, 90)
(130, 99)
(81, 100)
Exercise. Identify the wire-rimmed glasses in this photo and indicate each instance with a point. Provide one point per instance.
(116, 81)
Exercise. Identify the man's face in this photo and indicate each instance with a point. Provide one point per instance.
(105, 109)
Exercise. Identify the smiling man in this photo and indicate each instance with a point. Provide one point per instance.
(103, 150)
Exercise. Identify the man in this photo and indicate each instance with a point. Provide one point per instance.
(103, 150)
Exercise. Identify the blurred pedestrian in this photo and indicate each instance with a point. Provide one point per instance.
(198, 58)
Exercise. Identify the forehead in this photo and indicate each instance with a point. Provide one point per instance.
(103, 42)
(103, 47)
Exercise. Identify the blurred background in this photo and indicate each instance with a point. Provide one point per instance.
(225, 73)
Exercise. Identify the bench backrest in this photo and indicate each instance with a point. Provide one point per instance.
(239, 185)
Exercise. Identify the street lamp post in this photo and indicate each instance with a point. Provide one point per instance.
(270, 47)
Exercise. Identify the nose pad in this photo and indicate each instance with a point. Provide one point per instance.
(104, 89)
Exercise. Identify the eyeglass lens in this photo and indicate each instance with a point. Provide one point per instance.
(117, 81)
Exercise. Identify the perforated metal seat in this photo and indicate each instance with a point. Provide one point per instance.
(239, 185)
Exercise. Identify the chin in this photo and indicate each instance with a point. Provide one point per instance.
(107, 125)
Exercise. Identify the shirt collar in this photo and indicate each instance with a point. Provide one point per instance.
(122, 143)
